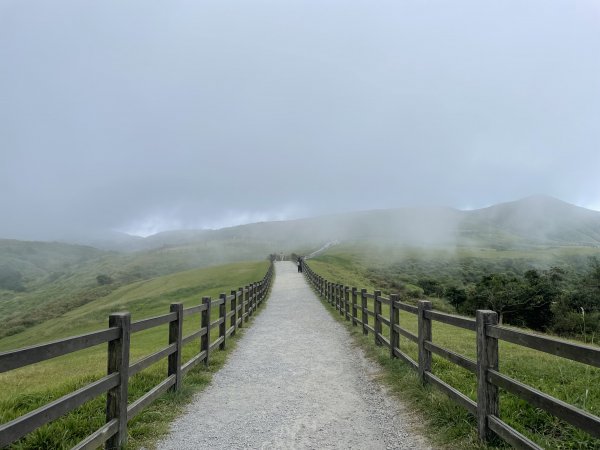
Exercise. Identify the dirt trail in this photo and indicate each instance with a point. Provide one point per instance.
(294, 381)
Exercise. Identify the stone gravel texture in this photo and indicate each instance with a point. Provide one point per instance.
(295, 381)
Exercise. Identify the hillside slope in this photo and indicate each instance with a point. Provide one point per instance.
(538, 220)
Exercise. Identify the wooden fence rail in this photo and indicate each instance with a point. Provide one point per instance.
(243, 303)
(488, 333)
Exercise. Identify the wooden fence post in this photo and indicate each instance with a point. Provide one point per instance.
(259, 294)
(332, 293)
(354, 310)
(340, 298)
(347, 302)
(205, 323)
(377, 309)
(175, 337)
(233, 308)
(223, 319)
(118, 361)
(394, 320)
(487, 358)
(424, 335)
(335, 297)
(365, 315)
(240, 296)
(246, 302)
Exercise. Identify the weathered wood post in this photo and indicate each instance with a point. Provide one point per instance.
(377, 310)
(365, 315)
(334, 287)
(354, 309)
(424, 335)
(233, 310)
(205, 323)
(335, 298)
(347, 302)
(340, 298)
(175, 337)
(394, 320)
(240, 296)
(247, 302)
(223, 319)
(332, 293)
(487, 358)
(118, 362)
(259, 294)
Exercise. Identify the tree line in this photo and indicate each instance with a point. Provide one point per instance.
(547, 300)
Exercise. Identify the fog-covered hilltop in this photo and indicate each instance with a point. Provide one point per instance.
(533, 221)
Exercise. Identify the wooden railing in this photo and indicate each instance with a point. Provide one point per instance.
(349, 301)
(243, 302)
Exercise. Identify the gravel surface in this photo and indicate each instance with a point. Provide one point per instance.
(295, 381)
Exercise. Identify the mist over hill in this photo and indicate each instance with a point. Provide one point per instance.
(533, 221)
(49, 278)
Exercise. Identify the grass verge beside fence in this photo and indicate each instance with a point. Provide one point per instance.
(574, 383)
(36, 385)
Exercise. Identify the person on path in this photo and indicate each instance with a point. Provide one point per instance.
(299, 265)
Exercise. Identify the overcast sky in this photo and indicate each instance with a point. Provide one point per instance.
(142, 116)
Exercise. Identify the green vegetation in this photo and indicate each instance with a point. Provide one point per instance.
(553, 289)
(40, 281)
(392, 268)
(30, 387)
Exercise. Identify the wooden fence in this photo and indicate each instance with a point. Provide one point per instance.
(243, 302)
(350, 300)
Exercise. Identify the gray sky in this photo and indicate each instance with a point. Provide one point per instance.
(142, 115)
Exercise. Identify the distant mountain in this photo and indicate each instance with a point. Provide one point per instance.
(533, 221)
(542, 220)
(24, 264)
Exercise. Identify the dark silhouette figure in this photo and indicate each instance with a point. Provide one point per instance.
(299, 265)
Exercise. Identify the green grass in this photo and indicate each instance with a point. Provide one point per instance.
(57, 278)
(572, 382)
(26, 389)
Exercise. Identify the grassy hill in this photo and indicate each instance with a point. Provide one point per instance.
(30, 387)
(532, 221)
(39, 281)
(45, 280)
(450, 425)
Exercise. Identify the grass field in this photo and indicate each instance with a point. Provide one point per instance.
(50, 279)
(26, 389)
(569, 381)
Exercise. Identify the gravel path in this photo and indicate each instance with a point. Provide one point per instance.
(294, 381)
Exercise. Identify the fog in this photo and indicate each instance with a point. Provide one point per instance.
(146, 116)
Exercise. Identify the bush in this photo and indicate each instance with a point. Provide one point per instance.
(104, 279)
(11, 279)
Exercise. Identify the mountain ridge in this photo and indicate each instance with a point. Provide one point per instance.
(533, 220)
